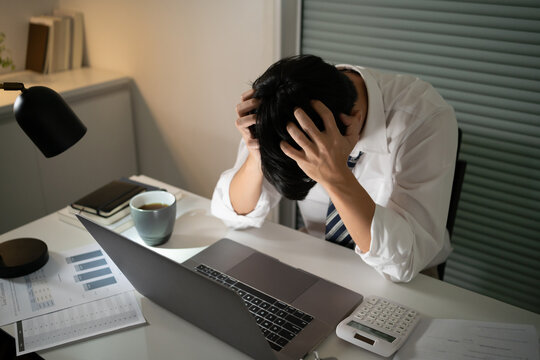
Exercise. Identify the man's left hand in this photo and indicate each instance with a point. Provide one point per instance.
(323, 154)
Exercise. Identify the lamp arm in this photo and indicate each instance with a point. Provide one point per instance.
(12, 86)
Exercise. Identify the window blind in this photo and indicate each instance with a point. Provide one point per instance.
(484, 59)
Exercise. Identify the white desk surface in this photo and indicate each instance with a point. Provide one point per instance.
(167, 336)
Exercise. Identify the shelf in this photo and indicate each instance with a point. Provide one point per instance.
(68, 83)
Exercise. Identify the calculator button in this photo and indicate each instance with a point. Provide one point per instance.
(372, 301)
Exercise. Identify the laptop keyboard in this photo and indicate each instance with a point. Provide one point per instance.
(278, 321)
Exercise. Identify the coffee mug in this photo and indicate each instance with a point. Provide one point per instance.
(154, 214)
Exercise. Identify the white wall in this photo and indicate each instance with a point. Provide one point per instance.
(190, 60)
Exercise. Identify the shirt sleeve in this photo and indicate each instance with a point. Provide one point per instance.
(221, 206)
(409, 232)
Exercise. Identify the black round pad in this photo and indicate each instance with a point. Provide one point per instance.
(22, 256)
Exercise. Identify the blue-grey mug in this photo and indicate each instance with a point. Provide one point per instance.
(154, 214)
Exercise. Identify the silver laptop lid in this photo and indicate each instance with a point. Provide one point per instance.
(204, 303)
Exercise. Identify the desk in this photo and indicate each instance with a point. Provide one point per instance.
(167, 336)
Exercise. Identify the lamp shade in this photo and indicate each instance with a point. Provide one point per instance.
(47, 120)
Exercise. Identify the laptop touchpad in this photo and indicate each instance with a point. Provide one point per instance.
(273, 277)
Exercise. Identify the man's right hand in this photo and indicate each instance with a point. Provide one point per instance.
(247, 118)
(246, 185)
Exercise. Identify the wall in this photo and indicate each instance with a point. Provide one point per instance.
(14, 17)
(190, 61)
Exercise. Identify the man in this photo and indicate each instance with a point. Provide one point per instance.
(374, 174)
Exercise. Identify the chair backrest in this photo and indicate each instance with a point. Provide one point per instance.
(459, 175)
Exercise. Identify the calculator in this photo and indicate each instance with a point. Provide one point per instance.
(378, 325)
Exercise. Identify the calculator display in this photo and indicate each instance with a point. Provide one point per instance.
(371, 331)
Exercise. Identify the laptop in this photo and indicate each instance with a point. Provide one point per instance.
(251, 301)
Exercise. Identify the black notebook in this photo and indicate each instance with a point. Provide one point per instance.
(108, 199)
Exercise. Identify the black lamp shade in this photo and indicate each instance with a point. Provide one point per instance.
(47, 120)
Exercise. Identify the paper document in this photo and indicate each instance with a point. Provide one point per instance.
(78, 322)
(68, 279)
(448, 339)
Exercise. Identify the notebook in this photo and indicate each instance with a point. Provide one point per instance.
(216, 289)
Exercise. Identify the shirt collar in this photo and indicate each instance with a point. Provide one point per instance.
(373, 136)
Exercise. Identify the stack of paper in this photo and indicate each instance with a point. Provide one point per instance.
(77, 294)
(451, 339)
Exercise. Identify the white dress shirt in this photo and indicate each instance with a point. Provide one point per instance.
(409, 144)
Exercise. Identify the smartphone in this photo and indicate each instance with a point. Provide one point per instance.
(7, 349)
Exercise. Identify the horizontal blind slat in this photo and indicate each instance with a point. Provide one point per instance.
(463, 39)
(496, 274)
(517, 189)
(499, 230)
(496, 134)
(463, 280)
(498, 215)
(515, 9)
(376, 39)
(489, 271)
(328, 10)
(528, 172)
(500, 155)
(414, 56)
(335, 54)
(488, 203)
(526, 203)
(518, 149)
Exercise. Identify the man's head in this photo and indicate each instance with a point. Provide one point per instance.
(290, 83)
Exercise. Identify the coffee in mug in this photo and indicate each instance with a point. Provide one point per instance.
(153, 206)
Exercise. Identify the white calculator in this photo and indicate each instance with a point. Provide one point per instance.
(378, 325)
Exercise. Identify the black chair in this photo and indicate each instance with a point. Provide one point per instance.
(459, 175)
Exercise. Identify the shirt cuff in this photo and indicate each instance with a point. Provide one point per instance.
(384, 256)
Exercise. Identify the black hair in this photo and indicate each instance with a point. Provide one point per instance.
(290, 83)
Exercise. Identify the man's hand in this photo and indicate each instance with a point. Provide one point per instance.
(323, 155)
(246, 119)
(246, 185)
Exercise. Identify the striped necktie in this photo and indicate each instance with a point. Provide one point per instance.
(336, 231)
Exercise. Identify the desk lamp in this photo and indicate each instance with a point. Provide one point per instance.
(53, 127)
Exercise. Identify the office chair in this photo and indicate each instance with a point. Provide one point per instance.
(459, 175)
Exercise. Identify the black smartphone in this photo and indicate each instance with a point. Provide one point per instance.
(7, 349)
